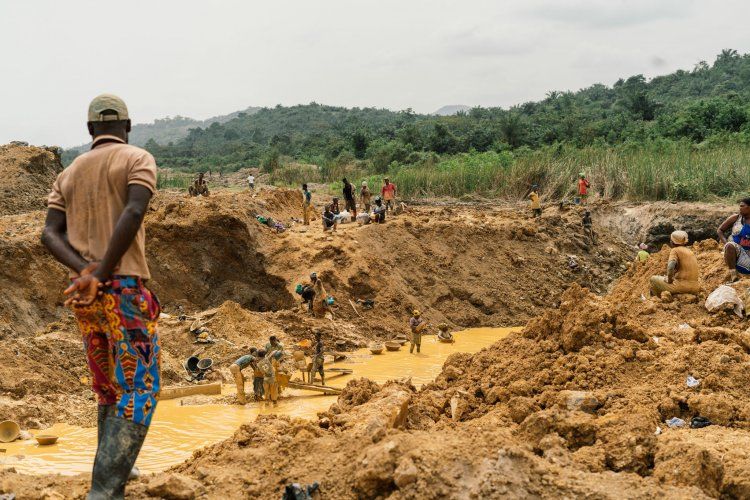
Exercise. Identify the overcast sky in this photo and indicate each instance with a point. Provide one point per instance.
(200, 59)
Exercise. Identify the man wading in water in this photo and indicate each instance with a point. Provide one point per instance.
(93, 227)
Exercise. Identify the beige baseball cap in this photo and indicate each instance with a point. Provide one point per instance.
(107, 102)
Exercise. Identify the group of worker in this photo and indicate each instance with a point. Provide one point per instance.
(582, 195)
(265, 365)
(373, 211)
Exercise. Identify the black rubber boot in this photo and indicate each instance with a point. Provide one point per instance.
(119, 447)
(103, 411)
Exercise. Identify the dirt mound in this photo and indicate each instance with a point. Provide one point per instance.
(27, 173)
(573, 405)
(589, 382)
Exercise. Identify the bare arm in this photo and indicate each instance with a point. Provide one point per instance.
(125, 230)
(671, 268)
(725, 226)
(55, 238)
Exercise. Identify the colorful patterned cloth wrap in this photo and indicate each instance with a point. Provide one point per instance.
(122, 347)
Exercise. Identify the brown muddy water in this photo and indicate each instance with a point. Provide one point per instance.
(178, 429)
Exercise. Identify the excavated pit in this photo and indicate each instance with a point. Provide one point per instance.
(509, 420)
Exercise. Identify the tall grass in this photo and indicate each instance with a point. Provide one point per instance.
(661, 170)
(672, 171)
(173, 180)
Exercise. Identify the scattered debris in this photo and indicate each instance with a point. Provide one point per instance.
(675, 422)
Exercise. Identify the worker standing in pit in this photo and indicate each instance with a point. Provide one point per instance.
(94, 227)
(366, 196)
(258, 391)
(306, 205)
(236, 369)
(268, 366)
(588, 227)
(318, 360)
(388, 192)
(417, 326)
(349, 203)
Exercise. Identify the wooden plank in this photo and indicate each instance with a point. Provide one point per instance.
(330, 391)
(174, 392)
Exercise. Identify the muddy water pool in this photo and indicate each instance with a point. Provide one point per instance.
(177, 429)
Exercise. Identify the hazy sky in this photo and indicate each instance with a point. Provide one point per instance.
(205, 58)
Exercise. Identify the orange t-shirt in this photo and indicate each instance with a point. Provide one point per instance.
(93, 191)
(388, 191)
(583, 186)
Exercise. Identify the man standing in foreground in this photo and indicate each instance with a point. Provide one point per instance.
(94, 227)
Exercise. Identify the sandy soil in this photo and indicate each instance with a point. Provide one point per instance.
(569, 407)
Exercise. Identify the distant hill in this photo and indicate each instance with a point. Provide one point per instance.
(163, 131)
(451, 109)
(709, 101)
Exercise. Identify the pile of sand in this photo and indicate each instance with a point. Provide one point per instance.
(27, 173)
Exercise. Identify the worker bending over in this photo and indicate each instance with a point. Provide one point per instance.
(682, 269)
(239, 379)
(737, 249)
(417, 325)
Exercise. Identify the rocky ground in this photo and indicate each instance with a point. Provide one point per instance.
(569, 407)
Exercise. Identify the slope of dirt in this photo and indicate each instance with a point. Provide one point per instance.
(652, 223)
(27, 173)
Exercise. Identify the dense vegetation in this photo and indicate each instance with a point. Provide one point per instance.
(679, 136)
